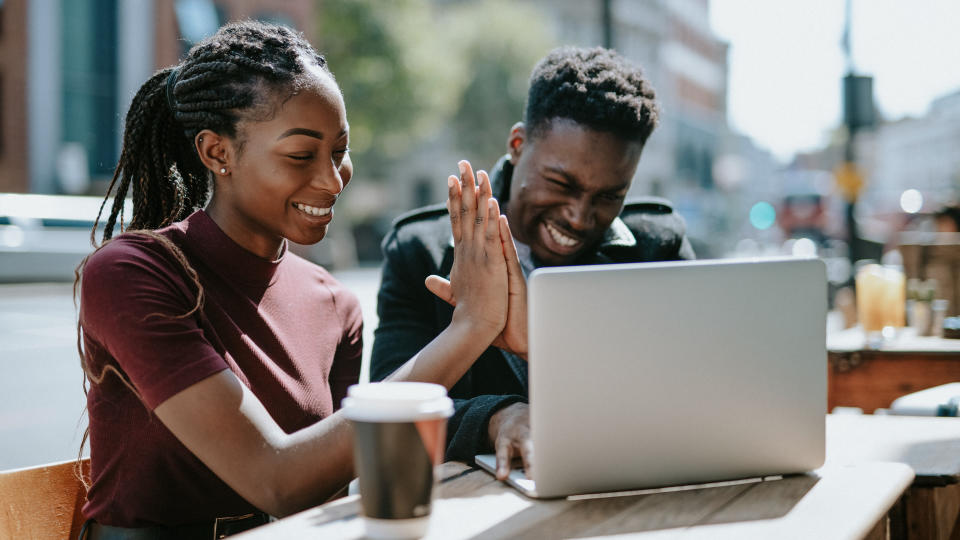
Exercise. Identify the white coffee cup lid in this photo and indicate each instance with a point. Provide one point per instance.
(396, 402)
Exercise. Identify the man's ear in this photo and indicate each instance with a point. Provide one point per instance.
(215, 151)
(515, 141)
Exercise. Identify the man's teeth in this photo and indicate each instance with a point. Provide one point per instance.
(313, 210)
(561, 238)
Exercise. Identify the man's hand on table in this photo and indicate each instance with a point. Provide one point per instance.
(509, 431)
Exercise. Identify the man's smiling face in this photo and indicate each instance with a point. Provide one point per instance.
(568, 186)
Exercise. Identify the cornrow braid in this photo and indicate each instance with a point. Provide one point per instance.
(227, 78)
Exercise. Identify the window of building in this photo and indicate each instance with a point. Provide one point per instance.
(196, 19)
(90, 72)
(2, 119)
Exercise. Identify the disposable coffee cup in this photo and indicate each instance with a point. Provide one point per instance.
(399, 438)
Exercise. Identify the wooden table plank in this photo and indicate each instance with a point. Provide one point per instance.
(469, 481)
(838, 502)
(929, 445)
(845, 502)
(450, 469)
(932, 513)
(575, 520)
(872, 378)
(670, 510)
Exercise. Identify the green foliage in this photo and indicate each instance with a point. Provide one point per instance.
(391, 68)
(500, 52)
(413, 71)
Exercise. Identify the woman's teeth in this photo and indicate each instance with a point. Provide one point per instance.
(561, 238)
(312, 210)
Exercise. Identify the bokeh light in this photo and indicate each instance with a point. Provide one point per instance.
(11, 236)
(911, 201)
(763, 215)
(804, 247)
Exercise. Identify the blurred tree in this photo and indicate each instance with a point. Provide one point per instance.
(399, 78)
(410, 68)
(499, 43)
(426, 82)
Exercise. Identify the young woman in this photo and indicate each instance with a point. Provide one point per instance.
(216, 357)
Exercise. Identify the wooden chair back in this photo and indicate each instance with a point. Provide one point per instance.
(43, 502)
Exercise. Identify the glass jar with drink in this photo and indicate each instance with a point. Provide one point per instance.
(881, 300)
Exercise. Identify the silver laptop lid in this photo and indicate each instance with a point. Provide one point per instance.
(659, 374)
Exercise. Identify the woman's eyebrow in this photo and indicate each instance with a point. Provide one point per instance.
(301, 131)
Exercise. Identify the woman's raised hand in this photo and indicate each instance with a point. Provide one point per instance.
(485, 254)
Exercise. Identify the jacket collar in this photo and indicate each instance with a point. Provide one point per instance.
(618, 235)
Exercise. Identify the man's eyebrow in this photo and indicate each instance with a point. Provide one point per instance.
(301, 131)
(567, 176)
(575, 183)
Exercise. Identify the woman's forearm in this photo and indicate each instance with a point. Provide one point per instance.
(326, 448)
(445, 359)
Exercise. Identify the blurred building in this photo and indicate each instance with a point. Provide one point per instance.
(893, 157)
(68, 70)
(709, 173)
(13, 77)
(917, 153)
(687, 64)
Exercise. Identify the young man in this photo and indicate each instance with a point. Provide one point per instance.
(562, 187)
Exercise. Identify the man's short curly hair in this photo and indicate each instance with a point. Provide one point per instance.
(597, 88)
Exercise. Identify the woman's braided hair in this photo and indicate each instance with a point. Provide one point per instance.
(239, 73)
(234, 75)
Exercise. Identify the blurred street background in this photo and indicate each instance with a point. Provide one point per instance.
(798, 127)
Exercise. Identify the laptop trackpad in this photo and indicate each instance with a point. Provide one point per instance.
(518, 477)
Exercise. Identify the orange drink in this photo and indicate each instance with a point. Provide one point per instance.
(881, 297)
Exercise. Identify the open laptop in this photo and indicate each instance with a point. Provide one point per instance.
(658, 374)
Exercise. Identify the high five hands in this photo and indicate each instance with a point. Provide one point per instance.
(486, 283)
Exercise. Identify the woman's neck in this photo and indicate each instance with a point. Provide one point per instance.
(244, 232)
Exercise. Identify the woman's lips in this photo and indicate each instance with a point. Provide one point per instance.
(315, 213)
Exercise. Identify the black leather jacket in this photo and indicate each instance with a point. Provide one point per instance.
(420, 244)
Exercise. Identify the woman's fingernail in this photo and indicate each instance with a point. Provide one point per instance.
(451, 181)
(463, 167)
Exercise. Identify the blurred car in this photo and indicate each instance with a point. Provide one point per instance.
(44, 237)
(803, 215)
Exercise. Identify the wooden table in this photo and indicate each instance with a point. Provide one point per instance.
(842, 501)
(871, 379)
(930, 446)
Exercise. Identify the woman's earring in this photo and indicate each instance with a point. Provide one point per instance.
(223, 170)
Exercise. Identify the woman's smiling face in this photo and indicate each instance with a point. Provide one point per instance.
(286, 172)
